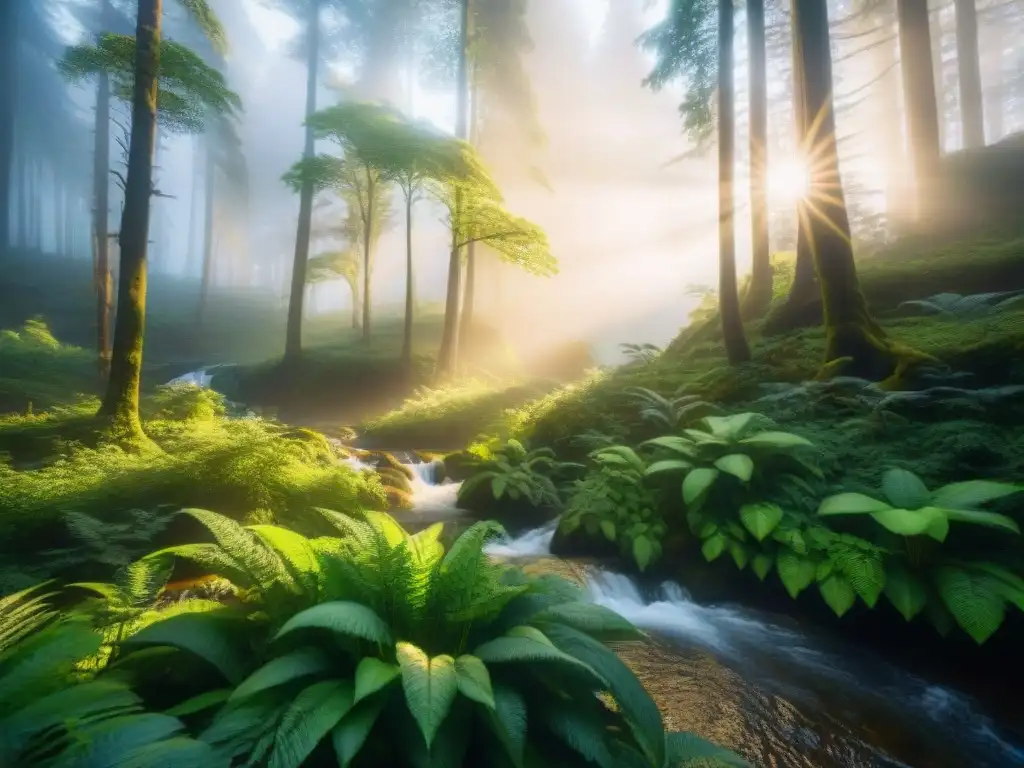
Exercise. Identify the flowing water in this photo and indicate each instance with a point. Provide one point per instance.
(782, 696)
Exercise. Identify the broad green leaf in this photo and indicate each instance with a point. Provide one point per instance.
(738, 465)
(530, 633)
(595, 620)
(1010, 585)
(582, 730)
(673, 443)
(979, 517)
(938, 528)
(762, 564)
(498, 485)
(686, 750)
(667, 465)
(175, 752)
(430, 686)
(608, 529)
(713, 547)
(474, 681)
(697, 483)
(509, 722)
(904, 489)
(302, 662)
(351, 733)
(739, 553)
(199, 633)
(643, 551)
(200, 702)
(310, 717)
(775, 440)
(343, 618)
(974, 602)
(761, 518)
(905, 591)
(851, 504)
(971, 494)
(796, 571)
(372, 674)
(939, 616)
(513, 650)
(905, 522)
(108, 741)
(838, 594)
(825, 568)
(865, 572)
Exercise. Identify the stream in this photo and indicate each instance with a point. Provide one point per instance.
(781, 695)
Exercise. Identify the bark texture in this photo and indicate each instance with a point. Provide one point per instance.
(760, 293)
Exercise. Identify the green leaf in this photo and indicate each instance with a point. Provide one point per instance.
(643, 551)
(687, 750)
(775, 440)
(904, 489)
(201, 634)
(343, 618)
(608, 529)
(939, 616)
(865, 572)
(976, 605)
(595, 620)
(1010, 585)
(299, 663)
(971, 494)
(905, 522)
(530, 633)
(673, 443)
(498, 485)
(474, 681)
(905, 591)
(351, 733)
(738, 465)
(697, 483)
(979, 517)
(851, 504)
(372, 674)
(713, 547)
(762, 564)
(760, 519)
(667, 465)
(838, 594)
(430, 686)
(310, 717)
(739, 554)
(938, 528)
(175, 752)
(200, 702)
(509, 722)
(796, 572)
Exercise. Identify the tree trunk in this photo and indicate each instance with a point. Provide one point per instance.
(409, 288)
(736, 348)
(469, 293)
(447, 358)
(921, 106)
(293, 335)
(891, 129)
(760, 292)
(995, 110)
(121, 402)
(367, 248)
(209, 192)
(10, 10)
(101, 211)
(191, 260)
(972, 114)
(849, 329)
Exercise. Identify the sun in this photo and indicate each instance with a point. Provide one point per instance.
(788, 181)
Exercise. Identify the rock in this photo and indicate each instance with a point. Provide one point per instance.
(397, 487)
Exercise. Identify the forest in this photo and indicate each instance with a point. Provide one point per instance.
(618, 383)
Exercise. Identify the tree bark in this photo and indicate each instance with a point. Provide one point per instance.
(121, 403)
(920, 103)
(367, 247)
(10, 10)
(209, 192)
(293, 334)
(469, 293)
(972, 110)
(760, 293)
(409, 287)
(736, 348)
(850, 330)
(101, 211)
(447, 358)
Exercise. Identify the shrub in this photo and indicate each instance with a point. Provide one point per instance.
(514, 472)
(386, 650)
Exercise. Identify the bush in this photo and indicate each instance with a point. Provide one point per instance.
(381, 648)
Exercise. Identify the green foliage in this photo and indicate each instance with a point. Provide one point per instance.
(39, 372)
(924, 576)
(668, 413)
(382, 646)
(513, 471)
(965, 306)
(190, 90)
(612, 502)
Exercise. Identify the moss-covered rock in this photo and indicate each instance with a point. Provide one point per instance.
(397, 487)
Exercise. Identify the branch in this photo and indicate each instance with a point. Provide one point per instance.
(490, 236)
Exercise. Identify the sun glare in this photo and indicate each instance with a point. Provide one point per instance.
(788, 181)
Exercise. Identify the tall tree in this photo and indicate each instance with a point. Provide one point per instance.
(101, 208)
(10, 10)
(729, 304)
(972, 111)
(760, 294)
(920, 104)
(850, 331)
(293, 334)
(193, 90)
(469, 293)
